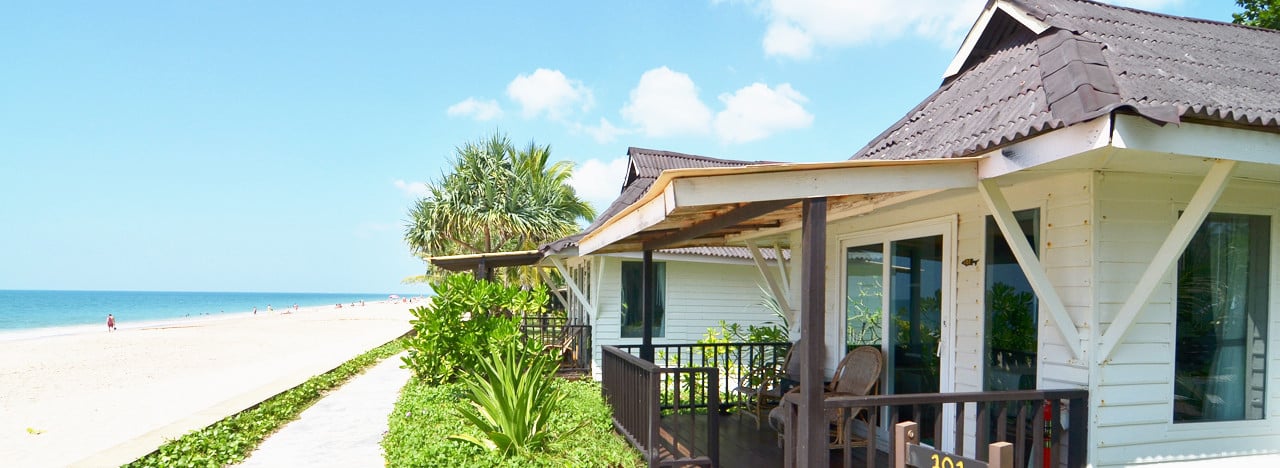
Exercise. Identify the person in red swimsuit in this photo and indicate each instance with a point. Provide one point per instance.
(111, 323)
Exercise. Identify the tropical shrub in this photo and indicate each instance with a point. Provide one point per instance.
(512, 400)
(466, 319)
(581, 426)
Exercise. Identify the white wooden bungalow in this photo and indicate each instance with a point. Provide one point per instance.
(697, 287)
(1090, 201)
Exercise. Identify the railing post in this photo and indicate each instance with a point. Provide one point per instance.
(653, 415)
(713, 416)
(1001, 455)
(1077, 432)
(904, 434)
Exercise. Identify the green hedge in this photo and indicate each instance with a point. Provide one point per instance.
(427, 415)
(232, 439)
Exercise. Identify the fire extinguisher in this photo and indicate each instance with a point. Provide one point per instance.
(1048, 434)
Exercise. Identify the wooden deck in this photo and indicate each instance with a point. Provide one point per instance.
(741, 443)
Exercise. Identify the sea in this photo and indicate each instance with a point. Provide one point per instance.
(32, 310)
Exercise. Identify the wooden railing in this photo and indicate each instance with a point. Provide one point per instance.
(632, 387)
(1017, 417)
(564, 336)
(734, 360)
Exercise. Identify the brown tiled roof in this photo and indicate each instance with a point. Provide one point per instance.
(1092, 60)
(643, 168)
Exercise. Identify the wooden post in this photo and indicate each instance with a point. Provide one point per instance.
(1001, 455)
(812, 424)
(646, 305)
(904, 434)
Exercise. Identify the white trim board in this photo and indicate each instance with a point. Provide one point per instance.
(1030, 264)
(1198, 140)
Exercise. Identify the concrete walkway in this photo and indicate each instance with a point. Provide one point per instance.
(343, 429)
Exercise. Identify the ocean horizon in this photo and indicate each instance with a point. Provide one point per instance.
(35, 309)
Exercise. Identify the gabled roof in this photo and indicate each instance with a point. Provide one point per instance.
(1031, 66)
(643, 167)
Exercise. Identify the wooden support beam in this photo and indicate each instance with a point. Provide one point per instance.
(573, 287)
(1174, 244)
(813, 427)
(779, 293)
(597, 275)
(783, 276)
(729, 219)
(1030, 264)
(647, 287)
(546, 279)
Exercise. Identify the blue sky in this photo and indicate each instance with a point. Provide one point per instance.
(277, 146)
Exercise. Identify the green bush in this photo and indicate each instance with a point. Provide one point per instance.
(232, 439)
(512, 399)
(580, 428)
(466, 318)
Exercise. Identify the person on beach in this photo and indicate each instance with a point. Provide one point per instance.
(255, 310)
(268, 307)
(295, 307)
(111, 323)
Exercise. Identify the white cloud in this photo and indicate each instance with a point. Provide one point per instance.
(599, 182)
(549, 92)
(665, 103)
(603, 133)
(757, 111)
(476, 109)
(413, 189)
(797, 27)
(787, 40)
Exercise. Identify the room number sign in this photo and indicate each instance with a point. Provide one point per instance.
(925, 457)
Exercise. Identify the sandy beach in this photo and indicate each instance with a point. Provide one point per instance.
(92, 397)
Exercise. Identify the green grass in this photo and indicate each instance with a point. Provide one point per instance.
(426, 415)
(232, 439)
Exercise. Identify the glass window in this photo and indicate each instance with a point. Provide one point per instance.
(1011, 310)
(632, 317)
(915, 326)
(1221, 349)
(864, 271)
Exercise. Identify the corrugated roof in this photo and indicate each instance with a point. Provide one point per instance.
(1093, 59)
(727, 252)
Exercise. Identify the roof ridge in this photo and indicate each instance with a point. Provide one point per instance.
(1036, 4)
(1170, 32)
(632, 151)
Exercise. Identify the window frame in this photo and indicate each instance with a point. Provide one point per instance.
(1230, 428)
(660, 316)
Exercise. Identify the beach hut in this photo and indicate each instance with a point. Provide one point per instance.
(696, 288)
(1085, 212)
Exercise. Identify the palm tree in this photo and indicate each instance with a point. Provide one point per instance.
(497, 198)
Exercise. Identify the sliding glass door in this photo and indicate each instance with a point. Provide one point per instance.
(897, 291)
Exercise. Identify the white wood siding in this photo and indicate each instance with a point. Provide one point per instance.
(699, 295)
(1066, 252)
(1132, 395)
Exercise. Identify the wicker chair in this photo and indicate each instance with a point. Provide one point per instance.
(765, 384)
(857, 374)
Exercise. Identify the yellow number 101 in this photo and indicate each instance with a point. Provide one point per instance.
(945, 462)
